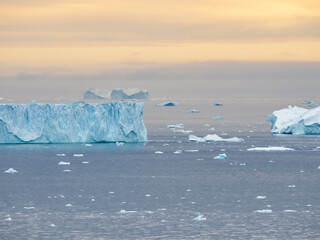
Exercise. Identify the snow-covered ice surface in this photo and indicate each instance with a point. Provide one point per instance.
(162, 194)
(295, 120)
(269, 149)
(76, 122)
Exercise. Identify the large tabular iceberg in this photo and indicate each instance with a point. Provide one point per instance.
(76, 122)
(295, 120)
(116, 93)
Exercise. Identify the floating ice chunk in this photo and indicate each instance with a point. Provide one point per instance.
(93, 200)
(78, 155)
(183, 131)
(269, 149)
(158, 152)
(295, 120)
(149, 212)
(67, 170)
(28, 208)
(291, 186)
(310, 103)
(193, 138)
(212, 129)
(216, 138)
(52, 225)
(11, 171)
(116, 93)
(86, 162)
(125, 212)
(88, 145)
(68, 205)
(193, 111)
(261, 197)
(192, 150)
(9, 219)
(289, 211)
(178, 152)
(218, 104)
(168, 104)
(173, 126)
(267, 211)
(72, 123)
(221, 156)
(119, 144)
(218, 117)
(200, 218)
(148, 195)
(61, 154)
(63, 163)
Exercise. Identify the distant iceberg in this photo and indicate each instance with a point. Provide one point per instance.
(213, 138)
(11, 171)
(269, 149)
(76, 122)
(310, 103)
(295, 120)
(221, 156)
(116, 93)
(168, 104)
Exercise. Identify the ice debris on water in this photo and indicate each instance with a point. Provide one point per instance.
(214, 138)
(68, 205)
(178, 125)
(88, 145)
(63, 163)
(218, 104)
(295, 120)
(218, 117)
(192, 150)
(178, 152)
(76, 122)
(67, 170)
(158, 152)
(289, 211)
(193, 111)
(269, 149)
(61, 154)
(261, 197)
(212, 129)
(85, 162)
(28, 208)
(291, 186)
(168, 104)
(119, 144)
(9, 219)
(200, 218)
(78, 155)
(221, 156)
(267, 211)
(11, 171)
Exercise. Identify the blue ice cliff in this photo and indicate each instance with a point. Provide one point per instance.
(76, 122)
(295, 120)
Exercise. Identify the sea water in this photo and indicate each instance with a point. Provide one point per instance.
(127, 191)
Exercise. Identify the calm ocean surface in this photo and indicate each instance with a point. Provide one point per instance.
(130, 192)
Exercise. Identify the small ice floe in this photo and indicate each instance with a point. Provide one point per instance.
(183, 131)
(267, 211)
(168, 104)
(221, 156)
(193, 111)
(78, 155)
(206, 125)
(149, 212)
(174, 126)
(63, 163)
(200, 218)
(319, 167)
(192, 150)
(28, 208)
(148, 195)
(178, 152)
(61, 154)
(165, 145)
(291, 186)
(85, 162)
(111, 192)
(269, 149)
(261, 197)
(289, 211)
(119, 144)
(11, 171)
(218, 104)
(213, 138)
(67, 170)
(158, 152)
(93, 200)
(212, 129)
(9, 219)
(88, 145)
(218, 117)
(52, 225)
(68, 205)
(242, 164)
(125, 212)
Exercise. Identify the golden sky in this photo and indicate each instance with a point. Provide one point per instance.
(68, 36)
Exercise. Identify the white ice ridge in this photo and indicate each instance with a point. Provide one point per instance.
(213, 138)
(269, 149)
(295, 120)
(116, 93)
(76, 122)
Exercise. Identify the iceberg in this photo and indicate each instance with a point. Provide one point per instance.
(11, 171)
(76, 122)
(213, 138)
(221, 156)
(310, 103)
(295, 120)
(168, 104)
(269, 149)
(116, 93)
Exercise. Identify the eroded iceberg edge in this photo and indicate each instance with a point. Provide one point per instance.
(76, 122)
(295, 120)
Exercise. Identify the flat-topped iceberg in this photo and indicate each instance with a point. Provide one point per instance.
(214, 138)
(295, 120)
(116, 93)
(76, 122)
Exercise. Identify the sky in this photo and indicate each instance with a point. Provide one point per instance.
(48, 45)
